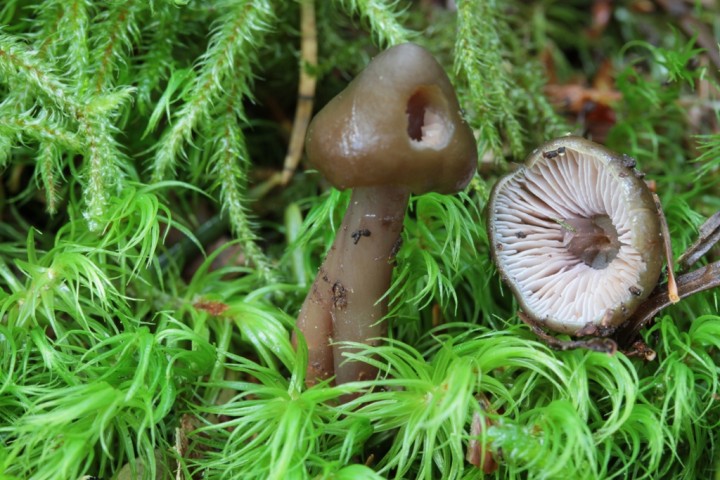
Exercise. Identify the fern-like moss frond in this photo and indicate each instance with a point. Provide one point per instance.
(21, 63)
(383, 19)
(229, 165)
(62, 33)
(501, 97)
(479, 60)
(40, 126)
(115, 32)
(230, 54)
(156, 60)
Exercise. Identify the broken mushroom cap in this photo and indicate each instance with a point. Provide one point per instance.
(575, 233)
(397, 123)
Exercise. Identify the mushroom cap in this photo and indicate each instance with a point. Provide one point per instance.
(576, 235)
(397, 123)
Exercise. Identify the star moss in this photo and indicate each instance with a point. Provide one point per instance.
(152, 264)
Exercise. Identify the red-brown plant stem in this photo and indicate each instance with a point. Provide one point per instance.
(703, 278)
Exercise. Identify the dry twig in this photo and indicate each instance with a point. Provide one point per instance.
(306, 88)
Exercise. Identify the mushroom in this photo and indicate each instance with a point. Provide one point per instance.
(396, 129)
(575, 234)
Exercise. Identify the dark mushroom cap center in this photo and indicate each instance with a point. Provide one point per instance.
(566, 232)
(593, 240)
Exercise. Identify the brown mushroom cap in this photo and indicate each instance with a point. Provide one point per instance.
(576, 235)
(397, 123)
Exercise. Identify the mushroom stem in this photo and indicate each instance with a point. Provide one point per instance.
(345, 303)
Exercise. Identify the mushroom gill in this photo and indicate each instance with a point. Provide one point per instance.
(576, 236)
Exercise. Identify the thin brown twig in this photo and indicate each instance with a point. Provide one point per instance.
(672, 285)
(708, 237)
(699, 280)
(597, 344)
(306, 88)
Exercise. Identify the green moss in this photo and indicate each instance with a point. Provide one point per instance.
(136, 135)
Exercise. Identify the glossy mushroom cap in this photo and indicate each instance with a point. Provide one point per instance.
(398, 123)
(576, 235)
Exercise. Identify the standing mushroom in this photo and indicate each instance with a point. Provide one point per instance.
(576, 236)
(395, 130)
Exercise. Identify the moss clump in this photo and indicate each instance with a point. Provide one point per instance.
(152, 263)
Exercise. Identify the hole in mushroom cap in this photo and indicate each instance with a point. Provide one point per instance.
(427, 118)
(574, 261)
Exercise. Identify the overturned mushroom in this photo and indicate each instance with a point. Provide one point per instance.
(395, 130)
(576, 236)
